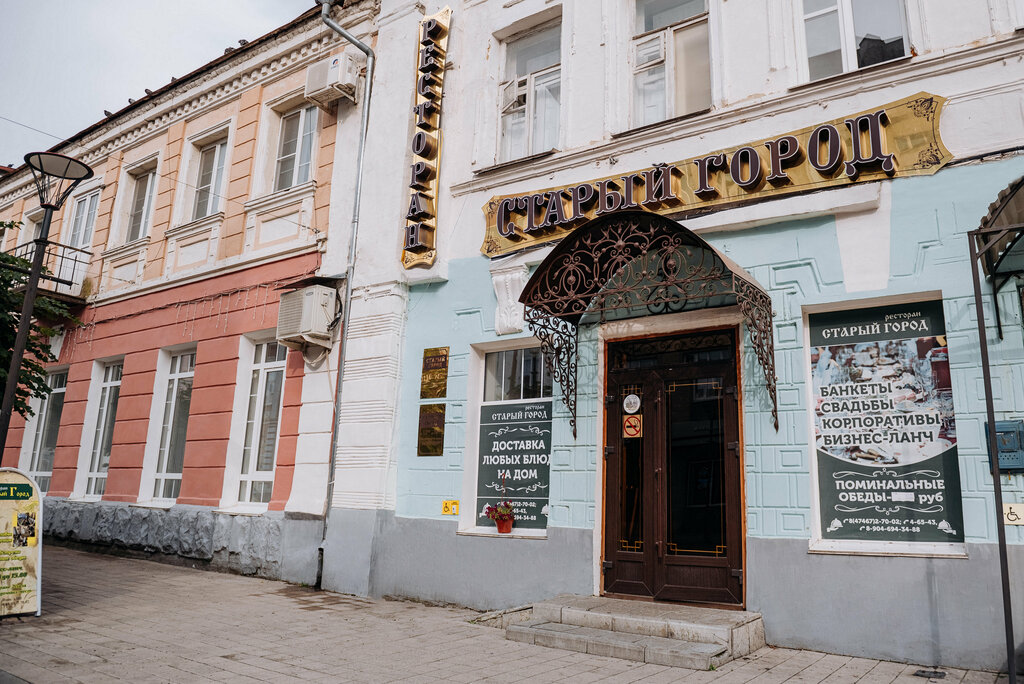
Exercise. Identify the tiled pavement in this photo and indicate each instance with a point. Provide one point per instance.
(107, 619)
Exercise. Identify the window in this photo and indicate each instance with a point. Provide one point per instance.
(83, 220)
(110, 389)
(516, 374)
(845, 35)
(671, 60)
(531, 94)
(261, 424)
(45, 442)
(295, 152)
(142, 205)
(211, 176)
(175, 423)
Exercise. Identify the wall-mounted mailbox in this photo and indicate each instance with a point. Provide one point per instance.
(1010, 445)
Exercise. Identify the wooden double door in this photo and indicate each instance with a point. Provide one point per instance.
(673, 514)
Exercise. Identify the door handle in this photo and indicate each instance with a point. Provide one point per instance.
(661, 549)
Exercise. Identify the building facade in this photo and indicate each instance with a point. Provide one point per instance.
(689, 441)
(686, 281)
(178, 423)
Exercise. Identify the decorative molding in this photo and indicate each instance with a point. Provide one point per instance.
(125, 250)
(509, 283)
(201, 225)
(281, 198)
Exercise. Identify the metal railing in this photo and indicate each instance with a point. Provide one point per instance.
(64, 266)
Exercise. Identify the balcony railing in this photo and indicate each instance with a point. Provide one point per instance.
(64, 266)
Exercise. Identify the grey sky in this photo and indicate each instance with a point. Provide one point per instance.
(62, 63)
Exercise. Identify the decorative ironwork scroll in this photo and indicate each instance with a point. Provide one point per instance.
(629, 265)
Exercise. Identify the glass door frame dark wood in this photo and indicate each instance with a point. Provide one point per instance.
(643, 573)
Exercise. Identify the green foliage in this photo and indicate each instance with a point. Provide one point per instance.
(47, 312)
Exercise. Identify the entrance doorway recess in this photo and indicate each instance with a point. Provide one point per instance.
(673, 513)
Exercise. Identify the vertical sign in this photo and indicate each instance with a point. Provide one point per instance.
(418, 247)
(20, 543)
(885, 432)
(515, 461)
(430, 439)
(434, 377)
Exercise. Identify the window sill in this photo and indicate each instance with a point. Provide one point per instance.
(128, 248)
(492, 532)
(85, 498)
(657, 124)
(849, 74)
(157, 505)
(195, 227)
(250, 510)
(512, 163)
(281, 198)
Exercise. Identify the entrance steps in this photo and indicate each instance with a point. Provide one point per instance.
(657, 633)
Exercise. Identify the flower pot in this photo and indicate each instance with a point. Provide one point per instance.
(504, 526)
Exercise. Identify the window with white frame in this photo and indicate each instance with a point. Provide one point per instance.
(177, 400)
(141, 208)
(209, 179)
(516, 374)
(845, 35)
(531, 94)
(259, 450)
(110, 390)
(83, 219)
(295, 149)
(45, 442)
(671, 60)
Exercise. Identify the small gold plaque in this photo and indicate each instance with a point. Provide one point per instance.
(431, 434)
(434, 378)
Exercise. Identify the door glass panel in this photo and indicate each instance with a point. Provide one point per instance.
(694, 468)
(631, 479)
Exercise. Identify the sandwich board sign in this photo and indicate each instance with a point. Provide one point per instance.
(21, 545)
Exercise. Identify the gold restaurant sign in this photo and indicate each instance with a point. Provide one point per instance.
(418, 248)
(895, 140)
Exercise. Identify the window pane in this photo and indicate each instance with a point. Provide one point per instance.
(306, 149)
(546, 98)
(107, 433)
(533, 53)
(533, 362)
(656, 14)
(512, 380)
(811, 6)
(513, 135)
(43, 460)
(824, 53)
(269, 420)
(81, 209)
(878, 31)
(218, 176)
(693, 69)
(649, 95)
(138, 210)
(205, 181)
(287, 150)
(492, 376)
(179, 425)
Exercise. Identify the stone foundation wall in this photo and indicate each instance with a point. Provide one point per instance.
(273, 545)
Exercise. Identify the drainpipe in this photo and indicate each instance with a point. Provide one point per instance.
(325, 15)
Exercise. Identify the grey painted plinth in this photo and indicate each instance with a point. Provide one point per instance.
(933, 611)
(272, 545)
(375, 553)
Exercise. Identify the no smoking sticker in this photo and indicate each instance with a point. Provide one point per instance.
(632, 426)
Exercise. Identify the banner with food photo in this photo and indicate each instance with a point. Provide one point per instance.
(884, 426)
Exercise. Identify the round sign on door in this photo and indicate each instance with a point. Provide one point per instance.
(632, 426)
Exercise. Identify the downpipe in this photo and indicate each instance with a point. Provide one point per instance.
(325, 15)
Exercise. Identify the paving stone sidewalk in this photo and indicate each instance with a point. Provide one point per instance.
(109, 619)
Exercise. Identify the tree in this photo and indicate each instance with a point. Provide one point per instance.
(47, 313)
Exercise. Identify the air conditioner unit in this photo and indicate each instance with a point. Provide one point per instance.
(331, 79)
(305, 316)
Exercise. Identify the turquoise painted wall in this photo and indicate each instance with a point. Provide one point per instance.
(799, 264)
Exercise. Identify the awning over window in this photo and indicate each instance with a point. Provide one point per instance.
(998, 240)
(636, 264)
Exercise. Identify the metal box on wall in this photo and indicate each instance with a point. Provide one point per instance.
(1009, 445)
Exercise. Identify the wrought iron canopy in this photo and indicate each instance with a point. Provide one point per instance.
(999, 240)
(633, 264)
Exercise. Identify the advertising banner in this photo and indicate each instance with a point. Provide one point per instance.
(884, 427)
(515, 461)
(20, 543)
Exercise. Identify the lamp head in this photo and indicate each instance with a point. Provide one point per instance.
(55, 176)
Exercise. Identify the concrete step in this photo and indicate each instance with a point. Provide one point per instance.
(644, 649)
(738, 632)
